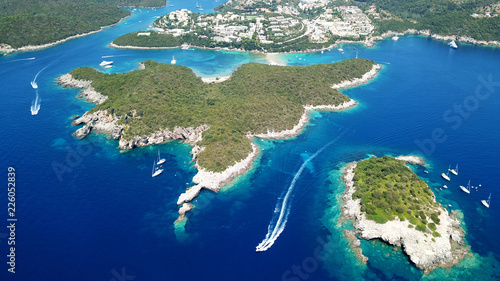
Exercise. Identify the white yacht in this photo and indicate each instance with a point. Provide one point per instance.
(340, 49)
(160, 160)
(455, 171)
(106, 63)
(466, 189)
(445, 186)
(453, 45)
(487, 203)
(156, 171)
(447, 175)
(395, 38)
(173, 61)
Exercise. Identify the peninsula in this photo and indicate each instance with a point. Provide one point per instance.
(162, 102)
(35, 24)
(295, 25)
(386, 200)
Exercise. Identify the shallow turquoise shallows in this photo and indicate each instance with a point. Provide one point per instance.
(104, 218)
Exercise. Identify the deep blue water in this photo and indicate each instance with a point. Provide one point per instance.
(105, 215)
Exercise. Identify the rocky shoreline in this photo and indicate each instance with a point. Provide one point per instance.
(213, 181)
(413, 160)
(460, 38)
(358, 81)
(424, 251)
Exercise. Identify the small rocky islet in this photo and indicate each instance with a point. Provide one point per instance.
(386, 200)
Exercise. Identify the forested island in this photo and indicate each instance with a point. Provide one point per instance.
(273, 26)
(38, 22)
(164, 102)
(386, 200)
(475, 19)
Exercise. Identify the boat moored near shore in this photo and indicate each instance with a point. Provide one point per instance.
(106, 64)
(454, 171)
(466, 189)
(487, 203)
(447, 175)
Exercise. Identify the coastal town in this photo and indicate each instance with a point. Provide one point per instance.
(285, 24)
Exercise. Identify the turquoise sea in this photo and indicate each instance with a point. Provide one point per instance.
(105, 218)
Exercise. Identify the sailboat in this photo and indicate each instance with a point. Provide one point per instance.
(447, 175)
(466, 189)
(156, 171)
(160, 160)
(487, 203)
(455, 171)
(173, 61)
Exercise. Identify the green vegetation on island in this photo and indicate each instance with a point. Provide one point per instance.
(476, 19)
(256, 98)
(160, 40)
(389, 189)
(37, 22)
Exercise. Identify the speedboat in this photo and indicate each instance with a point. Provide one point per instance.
(106, 63)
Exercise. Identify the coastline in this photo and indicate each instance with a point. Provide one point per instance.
(28, 48)
(358, 81)
(103, 122)
(425, 253)
(370, 41)
(216, 79)
(460, 38)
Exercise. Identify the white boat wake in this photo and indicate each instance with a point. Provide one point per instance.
(22, 59)
(33, 83)
(278, 222)
(112, 56)
(35, 104)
